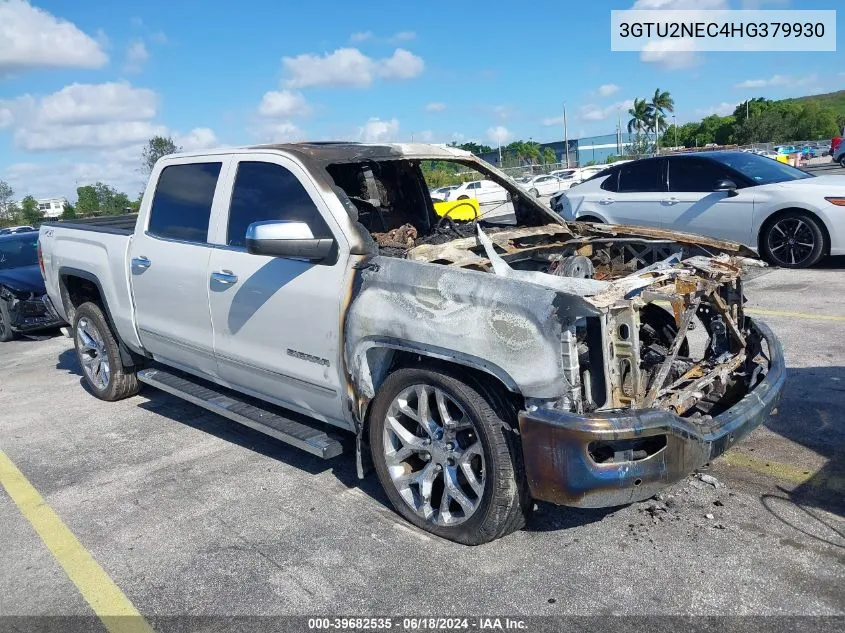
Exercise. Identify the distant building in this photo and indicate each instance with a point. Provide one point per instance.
(590, 149)
(50, 207)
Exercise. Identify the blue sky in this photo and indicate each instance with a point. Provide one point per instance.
(83, 84)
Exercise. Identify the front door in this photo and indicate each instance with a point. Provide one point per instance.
(692, 206)
(169, 265)
(277, 321)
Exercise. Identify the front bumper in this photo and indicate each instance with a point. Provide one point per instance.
(556, 444)
(37, 313)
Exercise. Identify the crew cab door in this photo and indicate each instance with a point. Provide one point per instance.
(277, 320)
(691, 204)
(168, 264)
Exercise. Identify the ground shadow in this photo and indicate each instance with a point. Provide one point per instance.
(810, 414)
(547, 518)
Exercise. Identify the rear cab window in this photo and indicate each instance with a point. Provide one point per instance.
(181, 206)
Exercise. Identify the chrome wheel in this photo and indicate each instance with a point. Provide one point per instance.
(434, 455)
(791, 241)
(92, 353)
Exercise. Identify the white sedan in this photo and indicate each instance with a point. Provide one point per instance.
(545, 185)
(791, 217)
(485, 191)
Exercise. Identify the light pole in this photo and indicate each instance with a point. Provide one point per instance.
(675, 125)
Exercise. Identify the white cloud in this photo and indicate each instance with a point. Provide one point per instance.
(778, 80)
(349, 67)
(499, 135)
(95, 103)
(502, 111)
(426, 136)
(435, 106)
(689, 5)
(667, 54)
(401, 65)
(281, 132)
(159, 37)
(83, 116)
(402, 36)
(197, 139)
(605, 90)
(592, 112)
(361, 36)
(114, 134)
(33, 38)
(722, 109)
(377, 131)
(136, 55)
(283, 105)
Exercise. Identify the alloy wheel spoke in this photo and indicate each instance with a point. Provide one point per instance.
(450, 478)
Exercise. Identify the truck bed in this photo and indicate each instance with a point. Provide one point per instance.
(114, 224)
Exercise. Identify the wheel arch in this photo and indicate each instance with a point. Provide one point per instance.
(80, 286)
(773, 217)
(378, 359)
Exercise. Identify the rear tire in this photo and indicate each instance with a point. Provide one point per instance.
(468, 451)
(842, 160)
(463, 197)
(793, 240)
(589, 218)
(534, 193)
(6, 332)
(99, 356)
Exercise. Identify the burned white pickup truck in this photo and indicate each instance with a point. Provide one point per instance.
(305, 288)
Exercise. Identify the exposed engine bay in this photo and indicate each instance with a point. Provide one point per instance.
(671, 332)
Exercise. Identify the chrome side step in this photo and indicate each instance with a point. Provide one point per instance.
(284, 429)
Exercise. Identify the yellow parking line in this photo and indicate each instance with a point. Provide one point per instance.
(786, 472)
(796, 315)
(109, 603)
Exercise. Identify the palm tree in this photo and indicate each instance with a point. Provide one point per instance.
(661, 103)
(639, 116)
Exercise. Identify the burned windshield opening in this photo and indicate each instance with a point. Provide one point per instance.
(396, 203)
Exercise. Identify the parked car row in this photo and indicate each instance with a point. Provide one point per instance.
(789, 216)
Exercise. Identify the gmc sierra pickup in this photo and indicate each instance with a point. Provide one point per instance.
(303, 289)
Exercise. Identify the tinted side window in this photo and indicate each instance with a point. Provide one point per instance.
(611, 183)
(640, 176)
(182, 202)
(265, 191)
(695, 174)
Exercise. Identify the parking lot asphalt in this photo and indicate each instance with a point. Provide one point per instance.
(188, 513)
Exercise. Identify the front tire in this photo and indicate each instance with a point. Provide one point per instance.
(793, 240)
(842, 160)
(6, 331)
(534, 193)
(446, 457)
(99, 356)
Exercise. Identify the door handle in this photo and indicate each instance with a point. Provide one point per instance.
(607, 200)
(672, 200)
(226, 277)
(141, 262)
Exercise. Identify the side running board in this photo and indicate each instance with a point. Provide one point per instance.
(285, 429)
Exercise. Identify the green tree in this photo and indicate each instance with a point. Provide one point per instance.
(661, 103)
(754, 108)
(155, 148)
(638, 123)
(30, 213)
(6, 195)
(549, 155)
(475, 148)
(87, 203)
(68, 212)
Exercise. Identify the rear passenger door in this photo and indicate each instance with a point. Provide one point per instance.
(276, 320)
(634, 195)
(169, 264)
(692, 206)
